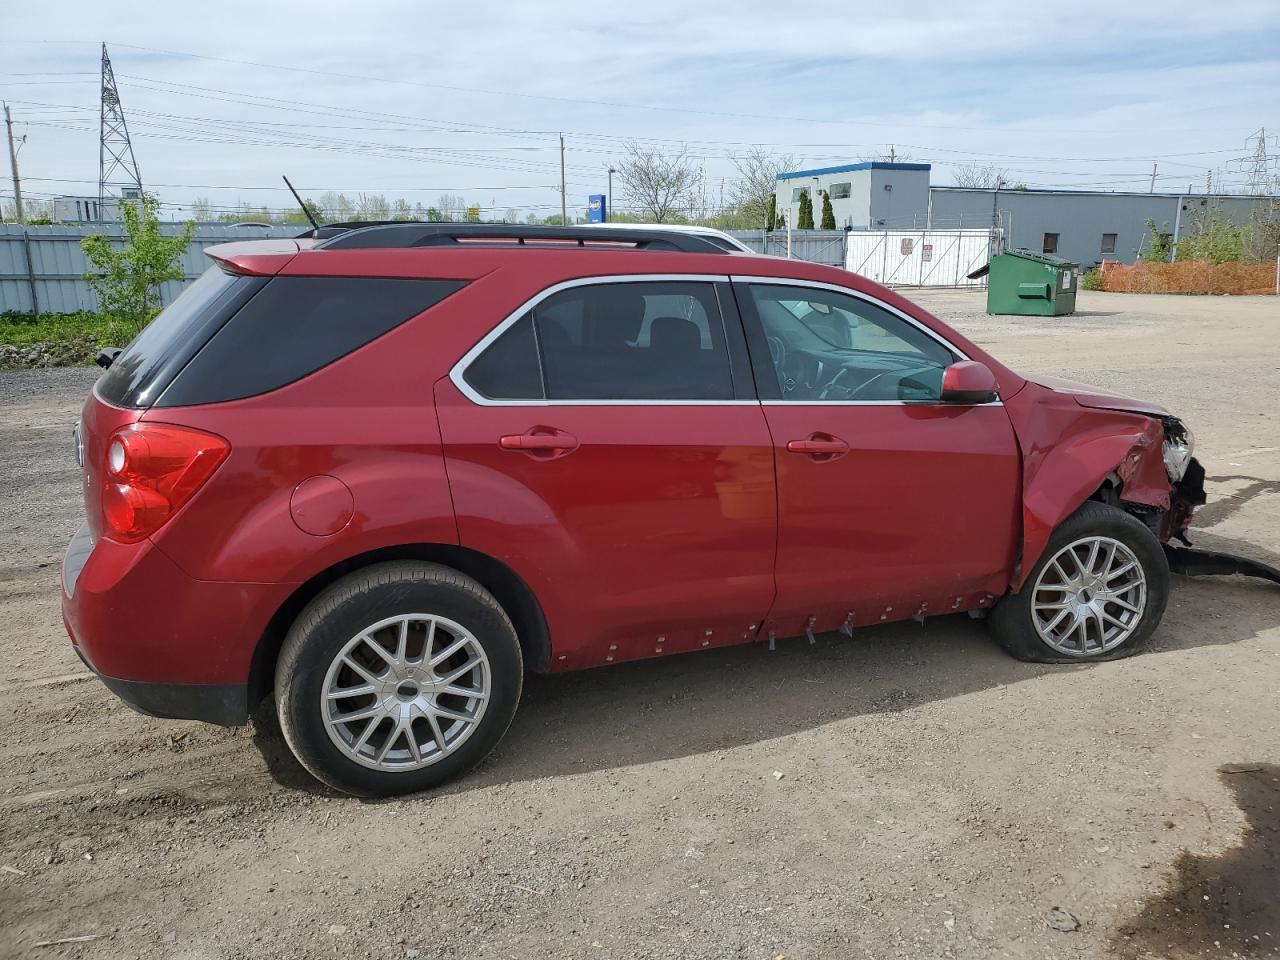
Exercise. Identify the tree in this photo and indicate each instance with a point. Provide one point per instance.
(201, 210)
(828, 214)
(1156, 244)
(298, 216)
(128, 279)
(656, 184)
(401, 210)
(337, 208)
(1211, 235)
(979, 176)
(755, 192)
(804, 219)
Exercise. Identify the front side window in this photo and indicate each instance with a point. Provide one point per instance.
(617, 341)
(834, 347)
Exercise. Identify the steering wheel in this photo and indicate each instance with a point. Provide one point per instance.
(779, 355)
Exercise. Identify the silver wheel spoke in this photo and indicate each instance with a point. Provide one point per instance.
(360, 671)
(402, 642)
(461, 671)
(374, 711)
(464, 692)
(379, 649)
(437, 733)
(369, 711)
(451, 714)
(343, 692)
(448, 651)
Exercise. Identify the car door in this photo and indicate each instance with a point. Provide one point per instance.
(606, 444)
(891, 504)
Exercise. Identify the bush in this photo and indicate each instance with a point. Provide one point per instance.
(57, 339)
(1091, 279)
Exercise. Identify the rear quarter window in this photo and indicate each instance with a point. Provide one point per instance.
(292, 328)
(149, 364)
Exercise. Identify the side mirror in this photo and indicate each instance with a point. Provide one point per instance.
(107, 356)
(968, 381)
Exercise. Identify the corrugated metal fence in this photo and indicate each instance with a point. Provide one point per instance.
(819, 246)
(44, 266)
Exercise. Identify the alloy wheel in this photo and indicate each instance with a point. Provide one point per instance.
(1089, 597)
(406, 692)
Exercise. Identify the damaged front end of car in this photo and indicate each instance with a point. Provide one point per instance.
(1081, 444)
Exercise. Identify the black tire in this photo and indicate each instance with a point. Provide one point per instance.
(1012, 621)
(349, 606)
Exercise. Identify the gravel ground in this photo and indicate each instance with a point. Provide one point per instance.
(912, 792)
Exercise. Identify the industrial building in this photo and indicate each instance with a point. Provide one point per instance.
(1084, 226)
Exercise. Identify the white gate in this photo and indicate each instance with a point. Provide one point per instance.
(922, 258)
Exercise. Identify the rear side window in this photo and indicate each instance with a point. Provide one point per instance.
(616, 341)
(293, 327)
(165, 345)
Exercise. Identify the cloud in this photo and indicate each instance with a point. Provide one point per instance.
(1092, 80)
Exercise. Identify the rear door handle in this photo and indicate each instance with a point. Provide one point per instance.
(820, 446)
(541, 443)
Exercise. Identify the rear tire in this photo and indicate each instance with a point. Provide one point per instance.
(397, 678)
(1097, 592)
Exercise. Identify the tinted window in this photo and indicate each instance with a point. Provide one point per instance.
(166, 344)
(293, 327)
(835, 347)
(634, 341)
(508, 368)
(620, 341)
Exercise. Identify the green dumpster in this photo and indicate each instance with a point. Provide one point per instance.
(1027, 284)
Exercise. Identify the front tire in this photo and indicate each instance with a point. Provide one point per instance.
(397, 678)
(1097, 592)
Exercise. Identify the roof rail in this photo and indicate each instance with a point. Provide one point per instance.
(382, 234)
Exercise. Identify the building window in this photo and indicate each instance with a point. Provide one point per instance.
(797, 193)
(841, 191)
(1108, 243)
(1050, 243)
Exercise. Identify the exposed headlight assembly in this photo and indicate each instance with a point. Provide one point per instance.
(1179, 444)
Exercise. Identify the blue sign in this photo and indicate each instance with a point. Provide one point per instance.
(596, 212)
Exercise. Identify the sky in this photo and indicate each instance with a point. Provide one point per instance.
(419, 99)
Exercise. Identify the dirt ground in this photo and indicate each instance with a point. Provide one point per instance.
(912, 792)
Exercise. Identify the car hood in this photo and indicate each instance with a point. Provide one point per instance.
(1098, 398)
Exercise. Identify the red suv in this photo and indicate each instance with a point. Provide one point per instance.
(384, 471)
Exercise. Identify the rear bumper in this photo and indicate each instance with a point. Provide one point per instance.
(226, 704)
(167, 644)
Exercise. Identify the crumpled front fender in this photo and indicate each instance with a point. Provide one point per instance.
(1068, 452)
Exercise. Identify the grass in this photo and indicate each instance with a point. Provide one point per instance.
(67, 338)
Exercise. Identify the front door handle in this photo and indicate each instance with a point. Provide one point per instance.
(541, 443)
(820, 446)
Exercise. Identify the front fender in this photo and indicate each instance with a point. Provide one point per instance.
(1068, 452)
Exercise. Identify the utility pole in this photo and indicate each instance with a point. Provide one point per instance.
(608, 202)
(13, 163)
(564, 209)
(1152, 189)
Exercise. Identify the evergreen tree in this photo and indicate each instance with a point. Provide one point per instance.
(772, 217)
(828, 214)
(804, 221)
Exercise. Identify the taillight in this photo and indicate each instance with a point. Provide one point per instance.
(151, 470)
